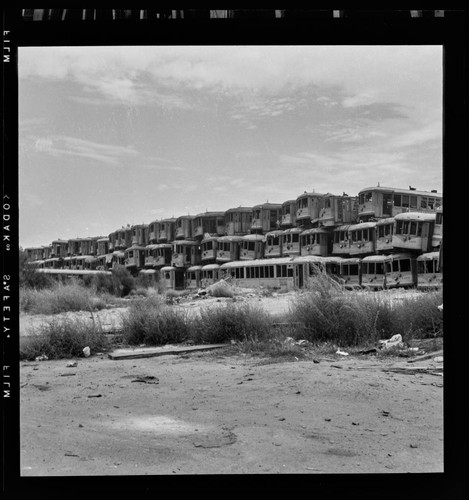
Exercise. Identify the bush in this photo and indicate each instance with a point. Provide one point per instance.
(63, 339)
(73, 296)
(231, 322)
(123, 281)
(151, 322)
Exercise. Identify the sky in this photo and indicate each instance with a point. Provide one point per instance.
(110, 136)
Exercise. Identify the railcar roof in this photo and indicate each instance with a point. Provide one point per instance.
(239, 209)
(362, 225)
(184, 242)
(210, 267)
(230, 238)
(304, 195)
(400, 191)
(256, 262)
(156, 246)
(210, 214)
(314, 230)
(253, 237)
(429, 256)
(387, 220)
(194, 268)
(425, 216)
(267, 205)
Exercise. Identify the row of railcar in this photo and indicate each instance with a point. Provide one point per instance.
(375, 272)
(378, 221)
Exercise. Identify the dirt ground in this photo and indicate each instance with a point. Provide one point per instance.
(222, 412)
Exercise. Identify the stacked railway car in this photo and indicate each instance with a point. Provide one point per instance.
(382, 238)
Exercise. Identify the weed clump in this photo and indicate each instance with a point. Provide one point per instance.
(150, 321)
(64, 338)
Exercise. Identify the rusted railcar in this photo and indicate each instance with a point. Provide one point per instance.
(183, 227)
(228, 248)
(290, 242)
(209, 274)
(238, 221)
(315, 241)
(350, 272)
(266, 217)
(102, 247)
(208, 248)
(384, 234)
(288, 219)
(413, 231)
(429, 272)
(438, 229)
(362, 239)
(193, 277)
(252, 247)
(165, 230)
(212, 223)
(134, 258)
(59, 248)
(186, 253)
(383, 202)
(308, 206)
(273, 244)
(337, 210)
(341, 241)
(158, 255)
(140, 235)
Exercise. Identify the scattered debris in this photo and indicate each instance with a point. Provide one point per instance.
(394, 341)
(336, 366)
(440, 307)
(385, 413)
(426, 356)
(72, 364)
(43, 357)
(147, 379)
(94, 395)
(86, 351)
(341, 353)
(438, 359)
(368, 351)
(67, 374)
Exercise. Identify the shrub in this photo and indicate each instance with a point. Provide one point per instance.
(72, 296)
(151, 322)
(231, 322)
(63, 338)
(123, 281)
(220, 289)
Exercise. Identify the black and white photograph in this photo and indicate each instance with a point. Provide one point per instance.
(230, 254)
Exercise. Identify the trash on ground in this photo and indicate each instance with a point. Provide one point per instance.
(438, 359)
(86, 351)
(394, 341)
(72, 364)
(342, 353)
(43, 357)
(440, 307)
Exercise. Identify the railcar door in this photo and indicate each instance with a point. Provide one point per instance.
(387, 204)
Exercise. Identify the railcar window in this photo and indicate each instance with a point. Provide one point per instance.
(405, 201)
(167, 275)
(413, 202)
(405, 265)
(295, 237)
(413, 228)
(290, 272)
(397, 200)
(379, 268)
(395, 266)
(439, 218)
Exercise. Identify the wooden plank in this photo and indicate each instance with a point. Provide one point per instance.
(426, 356)
(150, 352)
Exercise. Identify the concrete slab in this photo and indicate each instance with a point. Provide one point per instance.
(149, 352)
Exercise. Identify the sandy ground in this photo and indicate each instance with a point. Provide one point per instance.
(222, 412)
